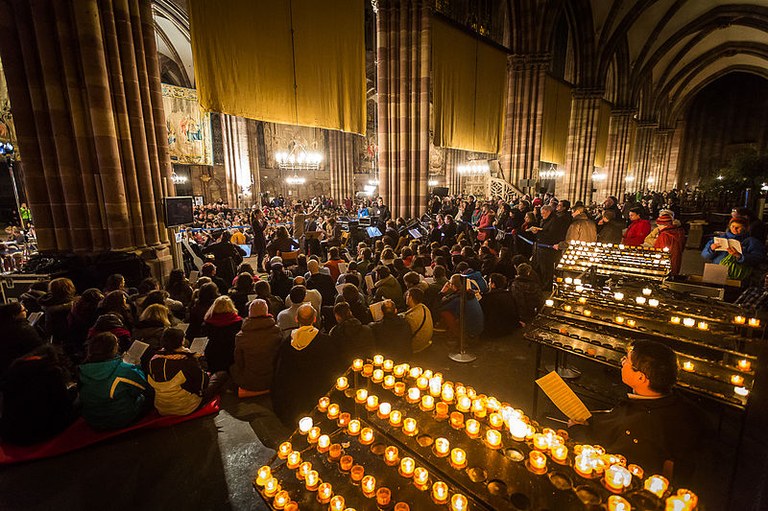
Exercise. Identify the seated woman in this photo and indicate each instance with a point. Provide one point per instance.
(113, 394)
(180, 383)
(256, 347)
(19, 337)
(240, 291)
(152, 323)
(222, 324)
(37, 403)
(739, 263)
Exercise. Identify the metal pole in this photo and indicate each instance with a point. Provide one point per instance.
(9, 161)
(462, 355)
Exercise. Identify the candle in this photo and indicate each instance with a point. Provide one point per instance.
(427, 373)
(378, 360)
(741, 391)
(322, 404)
(323, 443)
(384, 410)
(457, 420)
(353, 428)
(396, 418)
(478, 407)
(440, 492)
(541, 442)
(647, 291)
(559, 453)
(311, 480)
(688, 366)
(745, 365)
(459, 502)
(617, 478)
(391, 455)
(334, 452)
(342, 383)
(305, 424)
(402, 506)
(473, 428)
(294, 459)
(620, 319)
(361, 396)
(493, 438)
(357, 364)
(458, 458)
(653, 302)
(740, 320)
(356, 472)
(549, 302)
(345, 463)
(702, 325)
(313, 435)
(657, 485)
(496, 420)
(631, 323)
(378, 376)
(337, 503)
(518, 429)
(675, 320)
(414, 395)
(399, 370)
(616, 503)
(368, 484)
(583, 465)
(689, 498)
(407, 465)
(263, 475)
(366, 436)
(422, 383)
(618, 295)
(324, 493)
(754, 322)
(367, 370)
(420, 477)
(675, 503)
(587, 312)
(399, 389)
(435, 386)
(383, 496)
(689, 322)
(388, 365)
(389, 382)
(281, 499)
(461, 390)
(415, 372)
(441, 410)
(427, 403)
(464, 404)
(409, 426)
(636, 471)
(537, 462)
(442, 447)
(567, 308)
(737, 380)
(333, 411)
(304, 469)
(372, 404)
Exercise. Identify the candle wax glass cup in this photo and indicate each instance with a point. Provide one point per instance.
(368, 484)
(459, 502)
(458, 457)
(407, 466)
(440, 492)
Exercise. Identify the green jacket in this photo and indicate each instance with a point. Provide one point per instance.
(112, 393)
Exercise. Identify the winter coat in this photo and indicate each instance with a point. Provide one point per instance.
(178, 381)
(672, 238)
(582, 228)
(220, 350)
(392, 337)
(256, 348)
(477, 277)
(197, 326)
(500, 313)
(19, 338)
(325, 284)
(240, 300)
(114, 324)
(473, 313)
(419, 320)
(150, 332)
(611, 232)
(352, 340)
(753, 252)
(389, 288)
(637, 232)
(113, 394)
(56, 314)
(528, 297)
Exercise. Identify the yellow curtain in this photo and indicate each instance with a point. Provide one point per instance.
(555, 120)
(246, 61)
(603, 128)
(468, 90)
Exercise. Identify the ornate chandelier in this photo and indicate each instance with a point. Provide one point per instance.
(475, 167)
(177, 179)
(302, 161)
(295, 180)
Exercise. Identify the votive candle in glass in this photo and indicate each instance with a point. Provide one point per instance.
(440, 492)
(422, 383)
(402, 506)
(441, 410)
(305, 424)
(473, 428)
(361, 396)
(353, 428)
(372, 403)
(616, 503)
(636, 470)
(754, 322)
(493, 438)
(518, 429)
(322, 404)
(389, 382)
(333, 411)
(457, 420)
(384, 410)
(366, 436)
(311, 480)
(399, 389)
(345, 463)
(537, 462)
(657, 485)
(313, 435)
(344, 419)
(337, 503)
(745, 365)
(448, 393)
(458, 458)
(414, 395)
(427, 403)
(388, 365)
(391, 455)
(356, 473)
(383, 497)
(737, 379)
(323, 443)
(496, 420)
(459, 502)
(541, 442)
(324, 493)
(281, 499)
(410, 426)
(304, 469)
(263, 475)
(442, 447)
(583, 465)
(617, 478)
(396, 418)
(378, 376)
(559, 453)
(294, 460)
(399, 371)
(368, 484)
(464, 404)
(407, 466)
(367, 370)
(334, 451)
(342, 383)
(690, 498)
(420, 477)
(357, 364)
(415, 372)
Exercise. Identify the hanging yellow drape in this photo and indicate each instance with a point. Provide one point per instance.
(555, 120)
(603, 128)
(246, 61)
(468, 90)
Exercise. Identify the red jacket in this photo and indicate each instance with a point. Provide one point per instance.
(485, 221)
(637, 232)
(673, 238)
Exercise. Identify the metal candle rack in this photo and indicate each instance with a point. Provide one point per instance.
(502, 471)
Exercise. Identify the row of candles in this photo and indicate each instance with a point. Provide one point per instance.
(589, 461)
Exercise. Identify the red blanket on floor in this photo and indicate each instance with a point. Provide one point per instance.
(80, 435)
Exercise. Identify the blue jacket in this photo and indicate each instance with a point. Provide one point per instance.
(473, 320)
(112, 393)
(478, 278)
(753, 252)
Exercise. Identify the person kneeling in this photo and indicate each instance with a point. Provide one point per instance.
(181, 385)
(113, 394)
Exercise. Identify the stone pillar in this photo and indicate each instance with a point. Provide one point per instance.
(643, 155)
(582, 142)
(617, 157)
(253, 150)
(341, 164)
(453, 158)
(659, 170)
(521, 144)
(403, 64)
(237, 160)
(673, 176)
(84, 82)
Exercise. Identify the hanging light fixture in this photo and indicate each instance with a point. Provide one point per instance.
(599, 176)
(177, 179)
(432, 182)
(373, 182)
(295, 180)
(551, 172)
(302, 160)
(629, 179)
(474, 167)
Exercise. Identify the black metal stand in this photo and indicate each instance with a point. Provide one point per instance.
(462, 355)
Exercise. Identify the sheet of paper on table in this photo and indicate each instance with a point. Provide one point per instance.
(563, 397)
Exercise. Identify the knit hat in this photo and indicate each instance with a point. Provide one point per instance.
(665, 218)
(536, 202)
(258, 308)
(277, 260)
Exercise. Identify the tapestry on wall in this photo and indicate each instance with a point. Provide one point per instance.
(189, 128)
(285, 138)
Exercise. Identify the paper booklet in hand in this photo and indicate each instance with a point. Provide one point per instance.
(376, 311)
(135, 352)
(563, 397)
(725, 243)
(198, 345)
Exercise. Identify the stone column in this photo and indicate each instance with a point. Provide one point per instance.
(643, 154)
(659, 170)
(521, 144)
(582, 142)
(84, 83)
(341, 164)
(403, 63)
(253, 150)
(617, 157)
(453, 158)
(673, 176)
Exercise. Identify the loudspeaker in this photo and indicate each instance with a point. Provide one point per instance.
(440, 191)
